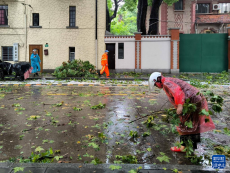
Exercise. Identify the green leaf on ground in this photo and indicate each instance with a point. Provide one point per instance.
(145, 134)
(17, 169)
(96, 161)
(77, 109)
(163, 157)
(99, 106)
(39, 149)
(17, 147)
(149, 149)
(114, 167)
(58, 157)
(94, 145)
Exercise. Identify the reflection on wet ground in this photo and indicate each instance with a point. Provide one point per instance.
(62, 118)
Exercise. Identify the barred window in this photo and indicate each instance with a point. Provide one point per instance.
(72, 53)
(202, 8)
(7, 53)
(3, 15)
(178, 5)
(72, 16)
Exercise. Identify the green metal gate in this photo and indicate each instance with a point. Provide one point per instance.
(203, 52)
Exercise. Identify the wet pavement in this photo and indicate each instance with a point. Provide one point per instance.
(62, 118)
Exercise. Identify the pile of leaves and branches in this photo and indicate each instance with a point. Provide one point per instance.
(38, 156)
(75, 68)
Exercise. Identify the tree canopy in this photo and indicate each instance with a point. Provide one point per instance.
(121, 14)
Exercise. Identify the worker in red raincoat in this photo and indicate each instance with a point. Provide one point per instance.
(178, 92)
(104, 64)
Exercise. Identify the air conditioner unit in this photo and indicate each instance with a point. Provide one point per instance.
(216, 6)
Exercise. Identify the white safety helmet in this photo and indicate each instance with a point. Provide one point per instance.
(152, 80)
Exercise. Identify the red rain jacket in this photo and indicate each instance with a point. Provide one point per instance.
(178, 91)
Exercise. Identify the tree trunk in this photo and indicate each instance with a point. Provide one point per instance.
(108, 21)
(108, 18)
(154, 17)
(141, 16)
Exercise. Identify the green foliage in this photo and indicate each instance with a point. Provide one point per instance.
(94, 145)
(216, 101)
(125, 22)
(196, 160)
(146, 134)
(99, 106)
(45, 157)
(58, 158)
(197, 83)
(163, 157)
(223, 150)
(188, 107)
(96, 161)
(127, 159)
(178, 144)
(16, 105)
(77, 109)
(133, 134)
(17, 169)
(188, 124)
(188, 148)
(75, 68)
(114, 167)
(170, 2)
(226, 131)
(150, 121)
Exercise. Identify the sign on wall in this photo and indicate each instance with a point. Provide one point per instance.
(15, 52)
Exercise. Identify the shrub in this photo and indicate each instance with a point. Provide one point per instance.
(75, 68)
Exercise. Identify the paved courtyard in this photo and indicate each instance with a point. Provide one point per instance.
(66, 119)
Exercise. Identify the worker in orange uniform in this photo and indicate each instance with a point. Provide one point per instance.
(104, 64)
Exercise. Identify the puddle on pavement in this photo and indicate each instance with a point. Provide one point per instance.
(45, 116)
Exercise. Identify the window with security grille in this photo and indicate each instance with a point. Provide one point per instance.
(72, 16)
(178, 5)
(35, 19)
(3, 15)
(7, 53)
(224, 7)
(120, 50)
(203, 8)
(72, 53)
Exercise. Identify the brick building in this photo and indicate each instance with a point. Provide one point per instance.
(59, 30)
(194, 16)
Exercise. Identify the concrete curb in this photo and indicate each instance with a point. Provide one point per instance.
(102, 168)
(78, 85)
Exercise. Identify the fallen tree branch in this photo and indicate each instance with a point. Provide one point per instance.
(151, 113)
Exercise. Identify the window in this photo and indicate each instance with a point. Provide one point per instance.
(72, 16)
(178, 5)
(202, 8)
(3, 15)
(7, 53)
(72, 53)
(224, 7)
(120, 50)
(35, 19)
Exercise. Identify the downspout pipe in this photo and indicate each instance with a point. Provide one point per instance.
(96, 44)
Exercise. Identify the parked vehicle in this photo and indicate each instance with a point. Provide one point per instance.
(14, 70)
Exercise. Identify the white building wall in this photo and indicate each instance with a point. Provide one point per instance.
(155, 54)
(129, 51)
(54, 17)
(129, 56)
